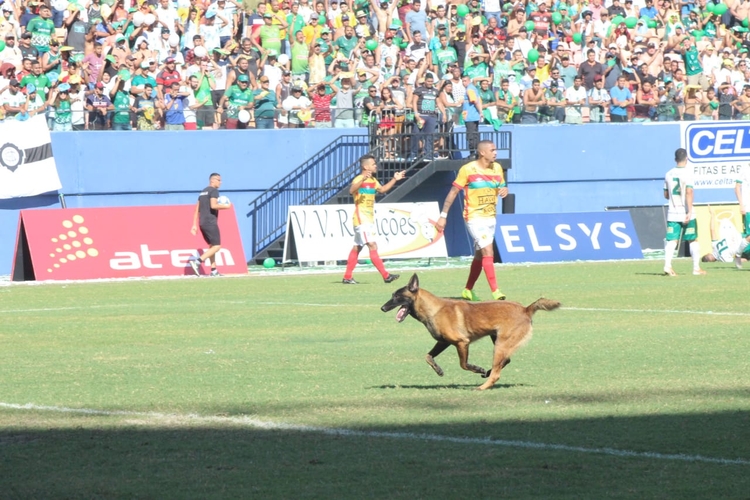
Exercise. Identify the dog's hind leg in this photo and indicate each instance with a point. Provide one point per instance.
(499, 360)
(430, 358)
(506, 362)
(463, 359)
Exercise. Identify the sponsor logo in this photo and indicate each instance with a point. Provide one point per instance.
(707, 143)
(72, 245)
(562, 237)
(157, 259)
(11, 156)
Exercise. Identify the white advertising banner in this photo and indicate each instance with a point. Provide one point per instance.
(325, 232)
(717, 151)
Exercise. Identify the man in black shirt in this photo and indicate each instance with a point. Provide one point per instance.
(427, 107)
(207, 217)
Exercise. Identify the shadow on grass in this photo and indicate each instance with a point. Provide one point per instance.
(51, 455)
(446, 386)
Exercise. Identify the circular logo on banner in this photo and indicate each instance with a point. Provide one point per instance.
(11, 156)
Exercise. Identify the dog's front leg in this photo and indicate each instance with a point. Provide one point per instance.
(463, 358)
(430, 358)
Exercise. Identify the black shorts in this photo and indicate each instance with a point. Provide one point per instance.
(211, 235)
(205, 114)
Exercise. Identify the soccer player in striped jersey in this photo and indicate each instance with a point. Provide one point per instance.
(681, 223)
(482, 182)
(364, 188)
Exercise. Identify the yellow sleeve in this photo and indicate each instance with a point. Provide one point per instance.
(462, 178)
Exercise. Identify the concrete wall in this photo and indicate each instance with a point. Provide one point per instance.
(555, 169)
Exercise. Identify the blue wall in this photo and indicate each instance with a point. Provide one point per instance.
(555, 169)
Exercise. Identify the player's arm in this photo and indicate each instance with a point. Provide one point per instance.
(194, 229)
(216, 206)
(387, 187)
(446, 207)
(738, 194)
(688, 203)
(666, 190)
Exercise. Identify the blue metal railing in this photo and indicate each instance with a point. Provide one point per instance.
(303, 187)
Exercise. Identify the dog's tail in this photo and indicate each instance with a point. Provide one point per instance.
(543, 305)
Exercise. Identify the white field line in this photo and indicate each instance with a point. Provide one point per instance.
(312, 304)
(332, 431)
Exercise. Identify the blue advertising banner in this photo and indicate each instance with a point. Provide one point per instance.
(717, 151)
(564, 237)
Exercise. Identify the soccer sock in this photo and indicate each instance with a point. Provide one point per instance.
(489, 270)
(351, 262)
(375, 258)
(474, 272)
(669, 249)
(695, 253)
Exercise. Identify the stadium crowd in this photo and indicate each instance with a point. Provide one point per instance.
(193, 64)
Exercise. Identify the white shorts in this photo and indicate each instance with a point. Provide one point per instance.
(482, 231)
(364, 234)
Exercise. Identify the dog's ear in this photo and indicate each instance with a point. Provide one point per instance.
(413, 284)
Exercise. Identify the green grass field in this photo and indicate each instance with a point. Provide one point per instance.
(292, 385)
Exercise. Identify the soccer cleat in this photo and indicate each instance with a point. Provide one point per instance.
(215, 273)
(738, 262)
(195, 263)
(391, 278)
(498, 295)
(469, 295)
(349, 281)
(669, 272)
(698, 272)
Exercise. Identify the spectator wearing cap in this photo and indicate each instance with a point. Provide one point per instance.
(28, 51)
(616, 9)
(621, 98)
(61, 101)
(554, 109)
(210, 31)
(614, 65)
(693, 67)
(528, 79)
(568, 72)
(317, 65)
(598, 100)
(166, 77)
(585, 26)
(364, 28)
(312, 31)
(416, 20)
(297, 105)
(270, 35)
(99, 108)
(590, 69)
(11, 53)
(265, 104)
(238, 97)
(12, 100)
(141, 78)
(38, 79)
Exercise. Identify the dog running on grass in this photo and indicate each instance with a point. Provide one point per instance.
(459, 323)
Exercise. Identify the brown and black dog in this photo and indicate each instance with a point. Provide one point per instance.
(459, 323)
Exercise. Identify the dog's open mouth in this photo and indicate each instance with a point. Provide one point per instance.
(402, 313)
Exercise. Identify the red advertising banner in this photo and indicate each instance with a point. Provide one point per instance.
(122, 242)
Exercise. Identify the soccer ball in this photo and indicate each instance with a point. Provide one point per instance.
(223, 200)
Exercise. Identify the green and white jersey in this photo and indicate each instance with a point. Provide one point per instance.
(676, 183)
(41, 33)
(731, 242)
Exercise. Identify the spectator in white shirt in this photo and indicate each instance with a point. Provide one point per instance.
(575, 97)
